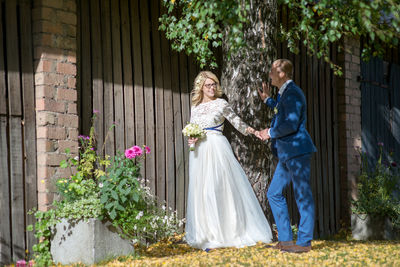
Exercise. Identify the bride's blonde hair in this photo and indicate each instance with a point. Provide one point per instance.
(197, 93)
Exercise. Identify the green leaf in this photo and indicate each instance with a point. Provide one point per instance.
(238, 40)
(113, 214)
(114, 195)
(367, 13)
(123, 182)
(118, 172)
(334, 23)
(119, 207)
(332, 35)
(109, 205)
(381, 35)
(63, 164)
(199, 25)
(128, 190)
(135, 196)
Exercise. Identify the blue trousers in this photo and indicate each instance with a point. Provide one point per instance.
(297, 171)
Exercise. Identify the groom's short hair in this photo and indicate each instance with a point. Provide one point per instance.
(286, 66)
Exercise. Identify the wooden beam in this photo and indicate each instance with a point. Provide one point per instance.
(150, 162)
(117, 76)
(29, 118)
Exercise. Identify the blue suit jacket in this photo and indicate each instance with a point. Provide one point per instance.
(288, 127)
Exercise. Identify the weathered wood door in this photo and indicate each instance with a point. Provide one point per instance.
(17, 130)
(380, 94)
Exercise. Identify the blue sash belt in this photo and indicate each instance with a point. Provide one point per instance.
(214, 128)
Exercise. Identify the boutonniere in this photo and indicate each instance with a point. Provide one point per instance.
(275, 110)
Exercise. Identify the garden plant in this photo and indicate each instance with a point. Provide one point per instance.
(379, 189)
(108, 188)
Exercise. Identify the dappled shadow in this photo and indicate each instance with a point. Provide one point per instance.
(297, 171)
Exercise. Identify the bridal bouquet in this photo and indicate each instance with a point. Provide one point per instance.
(193, 130)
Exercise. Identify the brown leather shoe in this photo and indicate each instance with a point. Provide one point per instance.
(281, 245)
(296, 249)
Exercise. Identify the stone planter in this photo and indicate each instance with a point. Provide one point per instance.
(366, 227)
(87, 242)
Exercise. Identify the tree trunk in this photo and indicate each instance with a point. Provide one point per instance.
(242, 74)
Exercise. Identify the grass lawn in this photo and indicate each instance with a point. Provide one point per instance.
(324, 253)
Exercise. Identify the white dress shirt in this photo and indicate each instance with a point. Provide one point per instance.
(281, 90)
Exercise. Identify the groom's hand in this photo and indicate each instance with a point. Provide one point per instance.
(258, 135)
(263, 134)
(266, 91)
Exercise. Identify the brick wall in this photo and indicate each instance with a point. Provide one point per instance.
(349, 101)
(54, 27)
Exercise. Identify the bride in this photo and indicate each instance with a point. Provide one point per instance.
(222, 209)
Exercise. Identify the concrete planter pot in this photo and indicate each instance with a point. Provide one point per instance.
(87, 242)
(368, 227)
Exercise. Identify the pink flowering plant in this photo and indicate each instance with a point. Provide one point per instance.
(129, 203)
(78, 195)
(107, 188)
(119, 185)
(116, 194)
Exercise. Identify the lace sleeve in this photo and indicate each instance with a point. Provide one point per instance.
(234, 119)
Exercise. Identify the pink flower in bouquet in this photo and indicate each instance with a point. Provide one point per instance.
(130, 154)
(137, 150)
(147, 149)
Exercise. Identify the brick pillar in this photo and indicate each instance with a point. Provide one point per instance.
(349, 101)
(54, 34)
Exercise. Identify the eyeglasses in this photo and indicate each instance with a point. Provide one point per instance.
(210, 85)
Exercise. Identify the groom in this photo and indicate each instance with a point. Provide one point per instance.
(293, 146)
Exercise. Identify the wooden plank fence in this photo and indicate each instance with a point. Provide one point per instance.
(380, 107)
(130, 75)
(18, 188)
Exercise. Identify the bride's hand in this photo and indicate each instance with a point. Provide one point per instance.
(192, 140)
(250, 130)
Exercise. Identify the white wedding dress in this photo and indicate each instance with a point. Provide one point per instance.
(222, 209)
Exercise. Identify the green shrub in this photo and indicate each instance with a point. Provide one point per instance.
(378, 189)
(117, 195)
